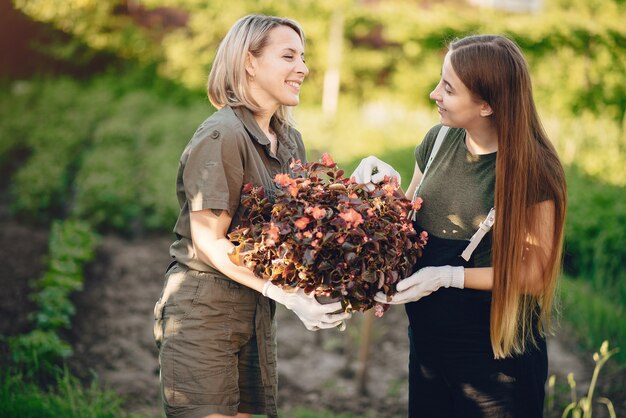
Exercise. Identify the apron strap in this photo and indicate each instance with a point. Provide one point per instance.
(438, 141)
(483, 228)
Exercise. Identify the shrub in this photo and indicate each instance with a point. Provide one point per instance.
(595, 233)
(62, 116)
(122, 184)
(107, 185)
(162, 138)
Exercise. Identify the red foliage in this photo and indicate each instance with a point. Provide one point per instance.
(328, 235)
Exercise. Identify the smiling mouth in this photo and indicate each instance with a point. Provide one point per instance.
(293, 84)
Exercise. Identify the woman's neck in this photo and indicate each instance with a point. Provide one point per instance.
(263, 120)
(481, 140)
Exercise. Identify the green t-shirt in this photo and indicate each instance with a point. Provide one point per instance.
(458, 190)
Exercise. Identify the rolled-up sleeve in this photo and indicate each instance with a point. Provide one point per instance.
(213, 175)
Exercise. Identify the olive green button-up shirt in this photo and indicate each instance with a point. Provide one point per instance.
(228, 150)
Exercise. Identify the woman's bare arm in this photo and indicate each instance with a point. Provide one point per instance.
(208, 233)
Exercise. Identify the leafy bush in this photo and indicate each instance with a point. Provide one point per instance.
(58, 127)
(107, 184)
(122, 184)
(161, 138)
(17, 117)
(96, 150)
(72, 244)
(38, 351)
(593, 145)
(595, 233)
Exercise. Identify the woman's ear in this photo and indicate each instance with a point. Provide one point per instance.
(250, 65)
(485, 110)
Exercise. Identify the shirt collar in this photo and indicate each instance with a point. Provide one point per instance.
(246, 117)
(286, 144)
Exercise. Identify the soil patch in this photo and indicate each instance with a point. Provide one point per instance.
(112, 329)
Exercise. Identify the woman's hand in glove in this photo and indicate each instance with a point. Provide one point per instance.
(313, 314)
(372, 171)
(424, 282)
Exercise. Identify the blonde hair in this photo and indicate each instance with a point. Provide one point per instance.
(528, 171)
(228, 81)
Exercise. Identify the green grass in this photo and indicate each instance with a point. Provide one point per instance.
(593, 317)
(305, 413)
(67, 398)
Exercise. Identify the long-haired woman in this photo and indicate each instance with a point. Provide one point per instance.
(479, 303)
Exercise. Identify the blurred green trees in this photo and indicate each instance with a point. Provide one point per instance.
(576, 49)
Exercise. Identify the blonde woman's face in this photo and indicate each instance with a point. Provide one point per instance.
(455, 104)
(277, 74)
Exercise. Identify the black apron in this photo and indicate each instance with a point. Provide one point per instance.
(452, 370)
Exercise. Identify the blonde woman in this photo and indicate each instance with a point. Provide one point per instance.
(479, 303)
(215, 324)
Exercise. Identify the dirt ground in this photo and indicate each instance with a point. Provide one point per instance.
(112, 336)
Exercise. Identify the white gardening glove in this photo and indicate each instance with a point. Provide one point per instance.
(372, 171)
(313, 314)
(424, 282)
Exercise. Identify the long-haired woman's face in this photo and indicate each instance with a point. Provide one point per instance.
(456, 106)
(277, 74)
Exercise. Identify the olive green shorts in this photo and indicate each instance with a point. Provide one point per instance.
(217, 346)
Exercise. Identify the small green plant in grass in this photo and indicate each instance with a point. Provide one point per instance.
(583, 407)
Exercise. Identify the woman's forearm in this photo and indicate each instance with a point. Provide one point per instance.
(479, 278)
(208, 231)
(216, 252)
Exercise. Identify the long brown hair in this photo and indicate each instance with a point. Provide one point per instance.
(528, 171)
